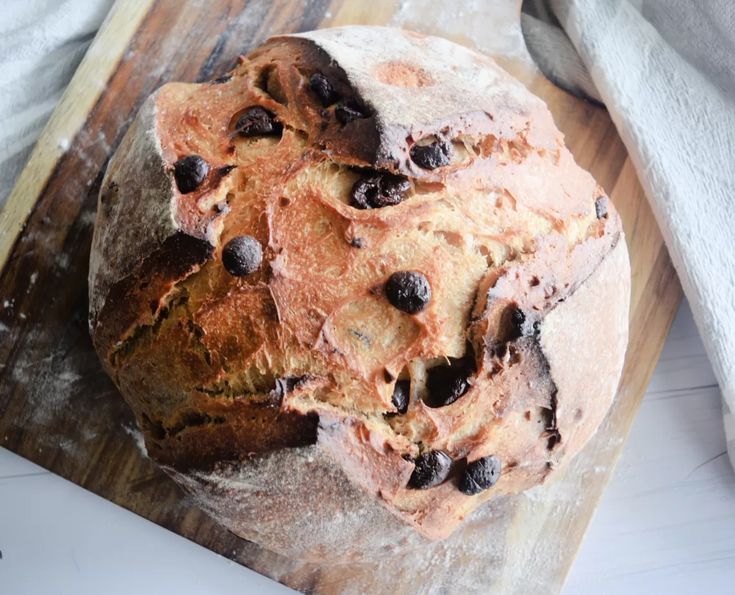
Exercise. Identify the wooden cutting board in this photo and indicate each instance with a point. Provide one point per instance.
(59, 409)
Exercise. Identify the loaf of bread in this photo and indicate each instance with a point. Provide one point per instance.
(355, 289)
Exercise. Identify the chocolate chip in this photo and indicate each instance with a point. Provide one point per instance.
(346, 113)
(221, 79)
(242, 255)
(601, 207)
(257, 121)
(432, 468)
(408, 291)
(401, 394)
(357, 243)
(190, 172)
(379, 190)
(446, 384)
(480, 475)
(517, 317)
(437, 154)
(522, 325)
(323, 89)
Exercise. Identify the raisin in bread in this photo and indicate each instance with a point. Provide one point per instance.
(356, 288)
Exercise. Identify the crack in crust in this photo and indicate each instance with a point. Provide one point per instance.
(307, 350)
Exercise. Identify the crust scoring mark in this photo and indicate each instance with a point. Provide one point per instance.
(399, 73)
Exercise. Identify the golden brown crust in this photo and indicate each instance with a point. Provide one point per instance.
(229, 374)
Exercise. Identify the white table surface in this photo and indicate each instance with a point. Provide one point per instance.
(665, 525)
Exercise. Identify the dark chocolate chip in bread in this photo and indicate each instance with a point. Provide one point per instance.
(323, 89)
(408, 291)
(242, 255)
(401, 394)
(446, 384)
(257, 121)
(347, 112)
(379, 190)
(432, 468)
(190, 172)
(522, 324)
(432, 156)
(517, 319)
(480, 475)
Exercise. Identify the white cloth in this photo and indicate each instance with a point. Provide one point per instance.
(665, 69)
(41, 45)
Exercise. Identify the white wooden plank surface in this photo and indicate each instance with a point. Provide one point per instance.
(58, 539)
(666, 523)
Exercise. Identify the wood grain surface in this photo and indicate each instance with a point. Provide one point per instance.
(60, 410)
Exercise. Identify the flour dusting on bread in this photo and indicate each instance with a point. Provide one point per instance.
(355, 289)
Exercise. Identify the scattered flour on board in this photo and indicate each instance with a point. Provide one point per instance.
(62, 260)
(137, 437)
(52, 380)
(88, 217)
(50, 386)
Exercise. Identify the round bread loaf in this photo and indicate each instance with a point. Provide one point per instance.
(356, 288)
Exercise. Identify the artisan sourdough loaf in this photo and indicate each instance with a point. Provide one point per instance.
(355, 289)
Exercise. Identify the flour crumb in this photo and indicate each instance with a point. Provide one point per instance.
(137, 437)
(69, 376)
(67, 445)
(32, 281)
(63, 144)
